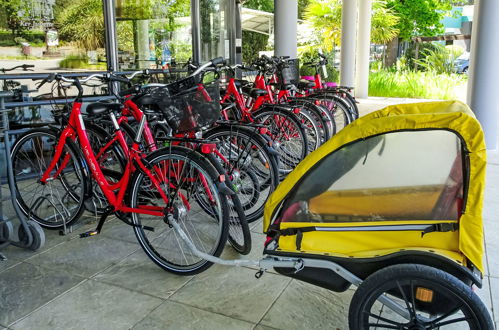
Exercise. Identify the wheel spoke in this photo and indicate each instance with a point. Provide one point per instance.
(383, 319)
(437, 325)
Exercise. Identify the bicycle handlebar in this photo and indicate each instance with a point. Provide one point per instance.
(25, 67)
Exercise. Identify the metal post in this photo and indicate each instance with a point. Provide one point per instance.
(285, 27)
(231, 18)
(347, 57)
(109, 10)
(196, 31)
(485, 69)
(363, 48)
(239, 34)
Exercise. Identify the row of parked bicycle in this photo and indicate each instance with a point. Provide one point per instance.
(206, 151)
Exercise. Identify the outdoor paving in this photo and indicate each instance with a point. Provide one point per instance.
(107, 282)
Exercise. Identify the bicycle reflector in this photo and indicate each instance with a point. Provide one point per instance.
(208, 148)
(424, 295)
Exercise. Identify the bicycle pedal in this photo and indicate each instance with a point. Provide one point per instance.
(89, 233)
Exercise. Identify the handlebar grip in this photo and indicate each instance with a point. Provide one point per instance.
(28, 66)
(218, 61)
(134, 90)
(118, 78)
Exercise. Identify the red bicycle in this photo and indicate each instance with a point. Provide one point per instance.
(53, 181)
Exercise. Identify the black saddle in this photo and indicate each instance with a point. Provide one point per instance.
(304, 84)
(97, 108)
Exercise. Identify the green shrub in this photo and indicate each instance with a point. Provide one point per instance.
(414, 84)
(35, 38)
(312, 56)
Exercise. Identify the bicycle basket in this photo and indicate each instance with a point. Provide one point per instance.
(289, 74)
(190, 110)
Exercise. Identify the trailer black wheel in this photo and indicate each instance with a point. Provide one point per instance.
(430, 297)
(6, 232)
(37, 233)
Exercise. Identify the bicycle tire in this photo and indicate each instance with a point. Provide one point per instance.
(66, 194)
(287, 160)
(239, 231)
(263, 164)
(213, 232)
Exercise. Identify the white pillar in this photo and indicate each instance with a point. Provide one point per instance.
(348, 27)
(285, 27)
(474, 31)
(363, 48)
(143, 51)
(484, 99)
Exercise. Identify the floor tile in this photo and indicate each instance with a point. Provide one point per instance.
(485, 294)
(138, 272)
(85, 256)
(117, 229)
(257, 226)
(305, 306)
(491, 229)
(92, 305)
(493, 259)
(494, 289)
(233, 292)
(172, 315)
(264, 327)
(6, 264)
(26, 287)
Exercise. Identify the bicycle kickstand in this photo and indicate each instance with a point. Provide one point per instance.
(109, 210)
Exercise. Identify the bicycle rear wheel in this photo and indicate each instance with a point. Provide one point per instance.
(186, 178)
(252, 168)
(59, 201)
(287, 134)
(239, 232)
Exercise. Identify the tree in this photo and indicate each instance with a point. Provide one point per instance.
(254, 42)
(325, 17)
(82, 22)
(420, 18)
(17, 14)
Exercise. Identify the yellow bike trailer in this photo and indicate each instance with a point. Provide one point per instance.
(396, 194)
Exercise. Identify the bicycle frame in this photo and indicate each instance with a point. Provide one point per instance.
(76, 130)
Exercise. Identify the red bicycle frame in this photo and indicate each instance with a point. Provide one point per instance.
(76, 130)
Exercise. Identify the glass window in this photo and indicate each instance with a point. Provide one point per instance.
(214, 16)
(414, 175)
(153, 33)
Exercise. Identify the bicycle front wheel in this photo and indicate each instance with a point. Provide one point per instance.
(187, 180)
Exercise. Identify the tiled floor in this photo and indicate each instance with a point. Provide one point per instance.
(107, 282)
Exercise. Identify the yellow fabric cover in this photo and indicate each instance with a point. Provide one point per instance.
(450, 115)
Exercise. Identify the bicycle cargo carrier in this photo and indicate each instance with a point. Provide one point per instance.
(188, 106)
(405, 178)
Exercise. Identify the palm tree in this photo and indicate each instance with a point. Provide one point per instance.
(325, 17)
(83, 23)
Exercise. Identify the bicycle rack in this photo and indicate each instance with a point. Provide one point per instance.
(10, 176)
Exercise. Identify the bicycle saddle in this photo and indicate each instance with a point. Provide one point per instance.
(98, 108)
(305, 84)
(254, 92)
